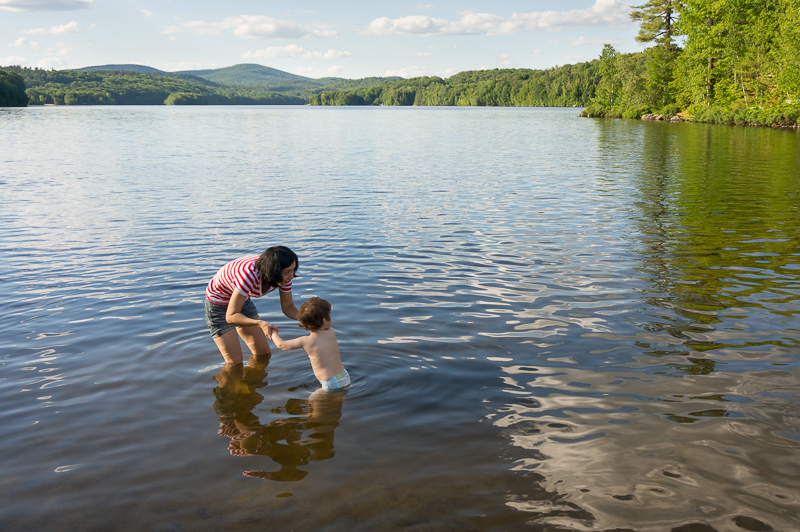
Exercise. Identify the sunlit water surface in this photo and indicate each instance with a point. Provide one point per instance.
(552, 323)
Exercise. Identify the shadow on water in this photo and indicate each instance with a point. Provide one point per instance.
(302, 433)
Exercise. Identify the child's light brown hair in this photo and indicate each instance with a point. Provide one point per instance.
(313, 312)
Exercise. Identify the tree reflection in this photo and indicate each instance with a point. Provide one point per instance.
(689, 436)
(716, 236)
(304, 432)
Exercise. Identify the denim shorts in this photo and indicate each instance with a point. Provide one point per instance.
(215, 317)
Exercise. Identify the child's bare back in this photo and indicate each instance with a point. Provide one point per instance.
(320, 345)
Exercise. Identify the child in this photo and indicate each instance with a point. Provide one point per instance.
(320, 345)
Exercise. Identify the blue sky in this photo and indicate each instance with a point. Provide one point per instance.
(351, 39)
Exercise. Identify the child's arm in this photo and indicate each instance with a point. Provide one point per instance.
(286, 345)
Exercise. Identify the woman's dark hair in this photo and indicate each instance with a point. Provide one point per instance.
(313, 312)
(271, 264)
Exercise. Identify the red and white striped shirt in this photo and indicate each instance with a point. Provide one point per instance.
(240, 274)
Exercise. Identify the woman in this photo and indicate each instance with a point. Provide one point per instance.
(228, 307)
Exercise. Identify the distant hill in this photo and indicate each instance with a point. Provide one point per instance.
(130, 84)
(125, 68)
(125, 87)
(257, 76)
(246, 74)
(251, 76)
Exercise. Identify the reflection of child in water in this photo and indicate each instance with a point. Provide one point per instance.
(303, 434)
(320, 344)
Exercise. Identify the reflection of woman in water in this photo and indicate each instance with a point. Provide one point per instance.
(282, 440)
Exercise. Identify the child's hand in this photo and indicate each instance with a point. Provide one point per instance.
(268, 329)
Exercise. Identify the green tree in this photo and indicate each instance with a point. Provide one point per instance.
(185, 98)
(610, 87)
(698, 67)
(729, 55)
(12, 90)
(785, 55)
(657, 18)
(660, 76)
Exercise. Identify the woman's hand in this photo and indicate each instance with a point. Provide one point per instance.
(268, 328)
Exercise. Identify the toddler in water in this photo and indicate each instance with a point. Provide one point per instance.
(320, 344)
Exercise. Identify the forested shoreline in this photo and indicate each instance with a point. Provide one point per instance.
(12, 90)
(120, 87)
(565, 86)
(720, 61)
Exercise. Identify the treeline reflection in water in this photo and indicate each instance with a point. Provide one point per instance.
(688, 410)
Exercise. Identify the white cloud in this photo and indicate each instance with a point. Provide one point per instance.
(416, 24)
(147, 13)
(257, 26)
(583, 41)
(304, 71)
(12, 60)
(51, 62)
(407, 72)
(23, 41)
(174, 67)
(293, 50)
(504, 60)
(45, 5)
(335, 69)
(70, 27)
(62, 50)
(276, 52)
(335, 54)
(424, 6)
(576, 58)
(601, 13)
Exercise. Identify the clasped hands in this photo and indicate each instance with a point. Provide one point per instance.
(268, 328)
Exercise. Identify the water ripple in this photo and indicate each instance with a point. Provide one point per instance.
(549, 322)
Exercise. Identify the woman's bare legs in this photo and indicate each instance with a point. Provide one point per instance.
(229, 347)
(255, 339)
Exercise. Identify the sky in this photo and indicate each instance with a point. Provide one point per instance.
(350, 39)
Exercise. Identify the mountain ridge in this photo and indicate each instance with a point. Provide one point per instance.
(238, 74)
(129, 67)
(246, 74)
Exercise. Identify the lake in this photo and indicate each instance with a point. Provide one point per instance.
(552, 323)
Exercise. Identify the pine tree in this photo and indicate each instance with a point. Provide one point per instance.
(657, 18)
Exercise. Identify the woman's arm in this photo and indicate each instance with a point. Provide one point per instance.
(234, 314)
(287, 306)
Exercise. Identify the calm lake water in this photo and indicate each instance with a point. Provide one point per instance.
(552, 323)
